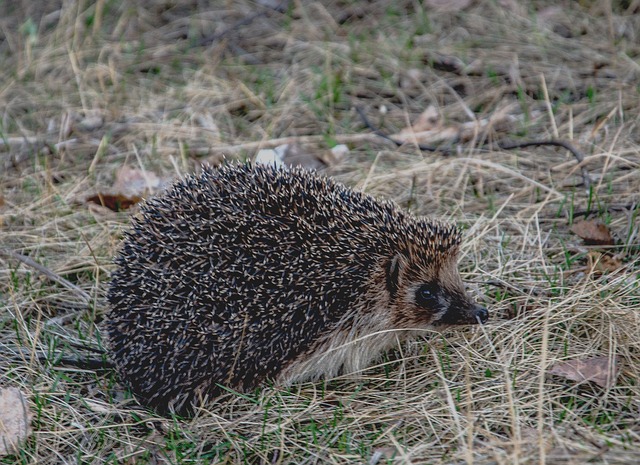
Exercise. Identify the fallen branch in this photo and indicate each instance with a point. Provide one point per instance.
(504, 145)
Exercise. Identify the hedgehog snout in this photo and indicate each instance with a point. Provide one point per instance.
(459, 309)
(480, 314)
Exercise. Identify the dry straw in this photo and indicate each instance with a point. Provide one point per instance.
(87, 87)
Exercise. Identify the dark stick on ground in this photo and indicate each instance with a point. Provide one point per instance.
(504, 145)
(91, 364)
(628, 208)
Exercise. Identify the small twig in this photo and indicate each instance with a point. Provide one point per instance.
(504, 145)
(91, 364)
(554, 142)
(48, 273)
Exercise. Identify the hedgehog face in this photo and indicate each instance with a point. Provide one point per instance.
(431, 295)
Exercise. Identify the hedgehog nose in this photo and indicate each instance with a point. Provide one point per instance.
(480, 314)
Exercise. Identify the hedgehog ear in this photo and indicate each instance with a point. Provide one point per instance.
(393, 275)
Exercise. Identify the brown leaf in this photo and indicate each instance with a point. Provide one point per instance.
(114, 202)
(592, 232)
(334, 156)
(383, 455)
(131, 181)
(600, 370)
(429, 129)
(599, 262)
(15, 420)
(338, 154)
(428, 120)
(90, 123)
(131, 186)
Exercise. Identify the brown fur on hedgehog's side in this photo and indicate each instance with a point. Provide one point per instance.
(250, 273)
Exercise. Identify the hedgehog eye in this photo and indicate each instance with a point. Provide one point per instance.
(426, 295)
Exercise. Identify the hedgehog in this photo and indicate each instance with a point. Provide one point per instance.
(247, 274)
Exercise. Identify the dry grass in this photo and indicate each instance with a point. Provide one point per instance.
(87, 87)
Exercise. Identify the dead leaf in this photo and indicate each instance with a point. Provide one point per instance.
(15, 420)
(428, 127)
(334, 156)
(114, 202)
(131, 186)
(90, 123)
(428, 120)
(382, 455)
(600, 370)
(500, 121)
(599, 262)
(131, 181)
(339, 152)
(272, 157)
(592, 232)
(297, 155)
(291, 155)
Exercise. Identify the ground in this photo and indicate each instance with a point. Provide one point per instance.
(551, 243)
